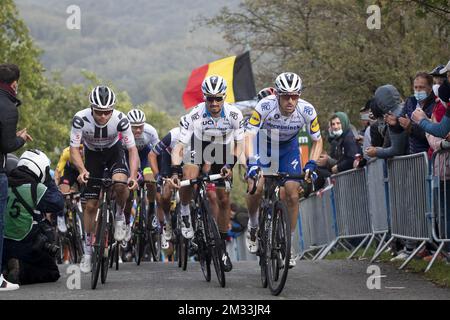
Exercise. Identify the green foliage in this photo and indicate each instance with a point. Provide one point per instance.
(328, 43)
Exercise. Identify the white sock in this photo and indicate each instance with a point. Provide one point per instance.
(253, 220)
(292, 238)
(119, 213)
(88, 245)
(185, 210)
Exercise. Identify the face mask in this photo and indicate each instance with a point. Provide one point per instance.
(338, 133)
(420, 95)
(436, 89)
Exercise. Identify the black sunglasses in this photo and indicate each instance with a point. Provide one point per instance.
(212, 99)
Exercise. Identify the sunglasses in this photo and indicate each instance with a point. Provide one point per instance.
(103, 113)
(289, 96)
(212, 99)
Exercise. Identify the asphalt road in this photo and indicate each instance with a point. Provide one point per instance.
(308, 281)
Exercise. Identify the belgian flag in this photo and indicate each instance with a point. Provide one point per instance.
(237, 72)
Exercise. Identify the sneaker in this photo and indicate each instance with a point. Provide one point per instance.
(120, 230)
(251, 240)
(61, 222)
(186, 227)
(128, 233)
(164, 243)
(13, 271)
(6, 285)
(167, 231)
(85, 265)
(400, 257)
(227, 265)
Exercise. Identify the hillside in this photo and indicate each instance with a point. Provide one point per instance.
(147, 48)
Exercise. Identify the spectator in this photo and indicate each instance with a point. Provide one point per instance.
(365, 122)
(443, 128)
(388, 101)
(9, 141)
(424, 99)
(438, 78)
(29, 248)
(343, 145)
(442, 169)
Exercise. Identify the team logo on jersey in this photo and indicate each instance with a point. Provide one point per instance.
(315, 127)
(234, 115)
(294, 164)
(77, 123)
(265, 106)
(195, 117)
(255, 120)
(276, 116)
(309, 111)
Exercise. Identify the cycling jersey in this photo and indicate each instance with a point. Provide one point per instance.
(63, 160)
(167, 144)
(200, 124)
(100, 137)
(149, 137)
(267, 115)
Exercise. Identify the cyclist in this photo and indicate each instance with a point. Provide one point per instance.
(66, 175)
(145, 137)
(160, 160)
(281, 117)
(215, 130)
(99, 127)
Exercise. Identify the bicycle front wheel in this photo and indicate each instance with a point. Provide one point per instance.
(99, 246)
(278, 248)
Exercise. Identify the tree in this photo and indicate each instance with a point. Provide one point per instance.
(327, 42)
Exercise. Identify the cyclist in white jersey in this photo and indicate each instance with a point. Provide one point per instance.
(99, 127)
(215, 131)
(145, 137)
(272, 144)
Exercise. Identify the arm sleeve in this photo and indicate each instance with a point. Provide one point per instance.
(397, 148)
(239, 128)
(163, 144)
(52, 201)
(127, 135)
(312, 124)
(255, 121)
(8, 126)
(65, 156)
(155, 138)
(186, 129)
(76, 132)
(440, 129)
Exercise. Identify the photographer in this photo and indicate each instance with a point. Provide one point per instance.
(29, 251)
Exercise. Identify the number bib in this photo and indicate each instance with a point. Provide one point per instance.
(18, 221)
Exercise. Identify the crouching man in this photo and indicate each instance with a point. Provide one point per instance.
(29, 248)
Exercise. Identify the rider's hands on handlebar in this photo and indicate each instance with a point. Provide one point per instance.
(82, 178)
(132, 184)
(252, 172)
(310, 170)
(226, 171)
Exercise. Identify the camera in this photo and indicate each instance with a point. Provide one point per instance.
(41, 243)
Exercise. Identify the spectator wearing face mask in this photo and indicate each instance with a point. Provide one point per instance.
(424, 99)
(443, 128)
(343, 145)
(438, 78)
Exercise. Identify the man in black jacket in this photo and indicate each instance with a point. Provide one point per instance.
(9, 141)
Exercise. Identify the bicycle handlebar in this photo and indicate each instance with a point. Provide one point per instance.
(212, 177)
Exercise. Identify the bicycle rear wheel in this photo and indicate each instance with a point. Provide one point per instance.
(215, 242)
(278, 248)
(99, 246)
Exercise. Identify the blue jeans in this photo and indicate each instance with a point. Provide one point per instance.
(3, 198)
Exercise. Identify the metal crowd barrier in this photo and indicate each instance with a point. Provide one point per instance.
(378, 200)
(316, 224)
(440, 212)
(409, 201)
(351, 209)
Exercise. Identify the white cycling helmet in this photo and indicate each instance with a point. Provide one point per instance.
(37, 162)
(288, 83)
(136, 117)
(214, 85)
(102, 98)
